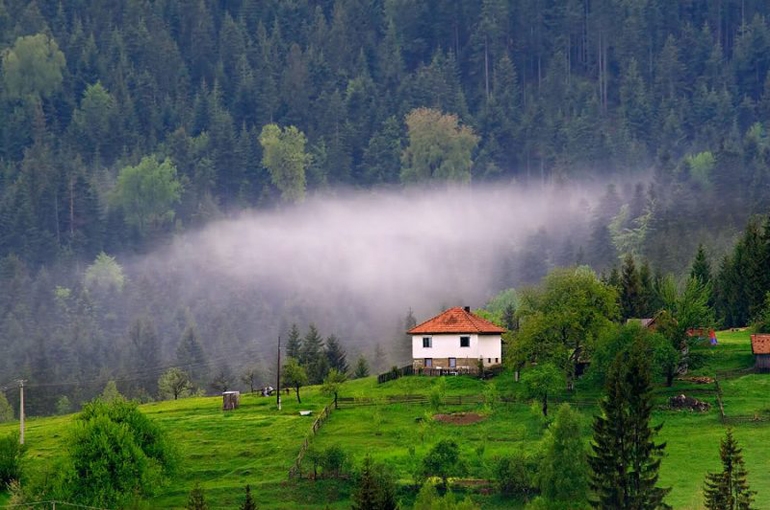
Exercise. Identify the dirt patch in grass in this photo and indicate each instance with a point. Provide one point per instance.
(459, 418)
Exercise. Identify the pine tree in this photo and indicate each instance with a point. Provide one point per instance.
(625, 458)
(729, 489)
(312, 356)
(249, 503)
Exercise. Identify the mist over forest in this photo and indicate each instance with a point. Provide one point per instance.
(220, 171)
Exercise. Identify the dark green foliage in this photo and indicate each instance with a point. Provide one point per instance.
(197, 499)
(335, 355)
(312, 356)
(375, 489)
(729, 489)
(294, 375)
(631, 305)
(191, 356)
(249, 503)
(362, 368)
(294, 343)
(11, 456)
(516, 476)
(443, 461)
(625, 458)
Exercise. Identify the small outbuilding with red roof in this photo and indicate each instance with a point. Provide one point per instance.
(456, 339)
(760, 348)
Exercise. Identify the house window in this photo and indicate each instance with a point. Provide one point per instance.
(452, 362)
(489, 360)
(427, 342)
(497, 360)
(428, 362)
(465, 341)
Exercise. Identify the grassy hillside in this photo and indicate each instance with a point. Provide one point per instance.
(257, 444)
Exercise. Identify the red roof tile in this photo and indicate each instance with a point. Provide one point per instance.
(456, 320)
(760, 344)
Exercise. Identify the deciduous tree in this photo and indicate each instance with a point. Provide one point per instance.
(284, 156)
(439, 148)
(294, 375)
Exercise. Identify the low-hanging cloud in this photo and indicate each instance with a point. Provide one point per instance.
(355, 263)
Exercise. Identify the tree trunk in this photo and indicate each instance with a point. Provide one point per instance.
(297, 389)
(545, 404)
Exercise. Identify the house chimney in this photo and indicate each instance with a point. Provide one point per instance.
(467, 309)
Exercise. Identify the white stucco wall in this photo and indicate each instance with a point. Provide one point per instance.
(487, 347)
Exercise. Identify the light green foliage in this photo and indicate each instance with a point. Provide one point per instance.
(11, 456)
(443, 461)
(147, 193)
(491, 396)
(111, 393)
(115, 455)
(562, 318)
(437, 393)
(439, 149)
(294, 375)
(701, 166)
(32, 68)
(93, 119)
(285, 158)
(629, 234)
(429, 499)
(63, 405)
(174, 383)
(332, 383)
(105, 274)
(6, 411)
(563, 473)
(543, 380)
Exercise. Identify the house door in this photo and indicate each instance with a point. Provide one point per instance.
(428, 362)
(452, 362)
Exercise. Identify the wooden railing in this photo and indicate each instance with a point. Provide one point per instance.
(296, 470)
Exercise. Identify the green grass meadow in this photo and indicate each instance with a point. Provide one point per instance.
(256, 444)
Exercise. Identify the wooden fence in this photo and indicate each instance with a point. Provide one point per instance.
(395, 373)
(296, 469)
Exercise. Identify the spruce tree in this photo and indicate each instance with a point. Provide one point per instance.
(630, 289)
(249, 503)
(375, 490)
(294, 344)
(701, 269)
(335, 355)
(197, 499)
(311, 356)
(625, 458)
(729, 489)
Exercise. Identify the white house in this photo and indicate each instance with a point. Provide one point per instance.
(456, 339)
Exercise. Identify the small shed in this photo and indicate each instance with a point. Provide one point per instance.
(231, 400)
(760, 348)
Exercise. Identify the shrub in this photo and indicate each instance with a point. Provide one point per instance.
(11, 455)
(332, 461)
(515, 475)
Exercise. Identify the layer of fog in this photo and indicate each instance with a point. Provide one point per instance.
(354, 264)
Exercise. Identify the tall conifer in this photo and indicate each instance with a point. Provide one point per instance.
(729, 489)
(625, 458)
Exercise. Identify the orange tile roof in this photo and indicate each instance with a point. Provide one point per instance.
(456, 320)
(760, 344)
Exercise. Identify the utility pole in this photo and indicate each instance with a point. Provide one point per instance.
(21, 410)
(278, 377)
